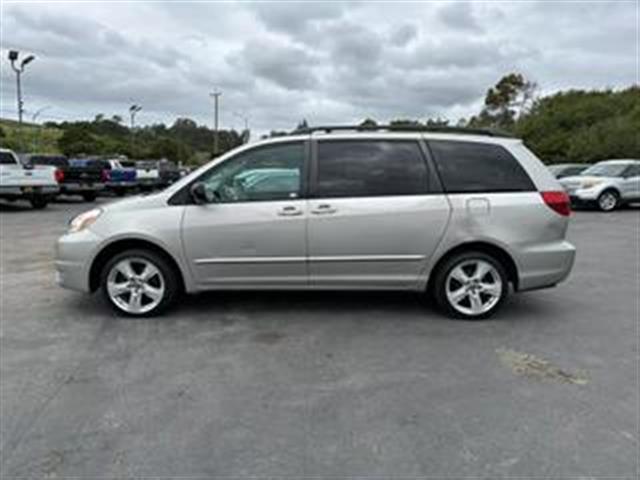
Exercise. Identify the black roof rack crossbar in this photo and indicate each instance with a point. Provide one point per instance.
(403, 128)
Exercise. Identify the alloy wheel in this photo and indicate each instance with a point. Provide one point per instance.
(474, 287)
(607, 201)
(135, 285)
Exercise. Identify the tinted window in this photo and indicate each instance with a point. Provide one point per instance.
(478, 167)
(363, 168)
(267, 173)
(7, 159)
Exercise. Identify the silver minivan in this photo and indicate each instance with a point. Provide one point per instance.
(465, 216)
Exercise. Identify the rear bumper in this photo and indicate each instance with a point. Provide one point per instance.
(74, 253)
(546, 265)
(121, 184)
(81, 187)
(11, 191)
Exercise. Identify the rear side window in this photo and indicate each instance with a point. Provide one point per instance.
(470, 167)
(366, 168)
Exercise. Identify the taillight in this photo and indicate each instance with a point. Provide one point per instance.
(105, 176)
(58, 175)
(558, 202)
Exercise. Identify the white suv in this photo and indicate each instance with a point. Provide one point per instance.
(607, 184)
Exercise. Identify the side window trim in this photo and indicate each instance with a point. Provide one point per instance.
(313, 171)
(183, 196)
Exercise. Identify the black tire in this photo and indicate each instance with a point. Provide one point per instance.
(39, 202)
(439, 285)
(120, 192)
(170, 279)
(608, 201)
(89, 196)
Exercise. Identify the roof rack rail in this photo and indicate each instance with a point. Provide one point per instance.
(404, 128)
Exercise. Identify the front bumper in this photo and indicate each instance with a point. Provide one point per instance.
(584, 195)
(74, 254)
(542, 266)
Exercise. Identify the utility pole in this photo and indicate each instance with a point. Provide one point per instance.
(36, 138)
(216, 95)
(133, 109)
(13, 57)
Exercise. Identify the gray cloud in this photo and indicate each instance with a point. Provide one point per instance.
(288, 66)
(403, 34)
(325, 61)
(459, 16)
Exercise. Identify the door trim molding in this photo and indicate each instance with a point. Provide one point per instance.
(234, 260)
(368, 258)
(320, 259)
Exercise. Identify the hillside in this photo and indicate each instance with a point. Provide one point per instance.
(29, 138)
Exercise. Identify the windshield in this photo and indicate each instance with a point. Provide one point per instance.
(605, 170)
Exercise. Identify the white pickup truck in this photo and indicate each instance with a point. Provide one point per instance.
(36, 184)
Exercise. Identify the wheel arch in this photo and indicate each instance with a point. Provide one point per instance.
(499, 253)
(117, 246)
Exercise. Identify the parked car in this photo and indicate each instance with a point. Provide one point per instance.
(169, 173)
(38, 184)
(116, 177)
(607, 185)
(561, 170)
(154, 174)
(76, 178)
(148, 174)
(464, 216)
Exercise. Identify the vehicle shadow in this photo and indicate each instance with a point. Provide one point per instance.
(17, 206)
(311, 306)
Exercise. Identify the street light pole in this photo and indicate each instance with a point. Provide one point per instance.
(216, 96)
(133, 109)
(13, 57)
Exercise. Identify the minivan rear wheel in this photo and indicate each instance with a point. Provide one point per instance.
(470, 286)
(139, 283)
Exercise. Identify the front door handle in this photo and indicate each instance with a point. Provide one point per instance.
(289, 211)
(323, 209)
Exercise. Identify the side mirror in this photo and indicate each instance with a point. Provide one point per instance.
(200, 194)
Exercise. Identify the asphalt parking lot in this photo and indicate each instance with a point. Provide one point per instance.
(320, 384)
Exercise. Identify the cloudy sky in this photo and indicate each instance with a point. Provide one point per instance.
(328, 62)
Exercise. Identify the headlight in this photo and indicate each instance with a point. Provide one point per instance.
(591, 183)
(82, 221)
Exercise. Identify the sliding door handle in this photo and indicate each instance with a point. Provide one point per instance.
(289, 211)
(323, 209)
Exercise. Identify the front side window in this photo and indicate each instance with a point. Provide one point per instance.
(632, 171)
(365, 168)
(7, 158)
(473, 167)
(266, 173)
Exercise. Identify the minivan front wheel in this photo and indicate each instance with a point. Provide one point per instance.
(139, 283)
(471, 286)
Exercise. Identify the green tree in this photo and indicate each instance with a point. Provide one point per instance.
(505, 102)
